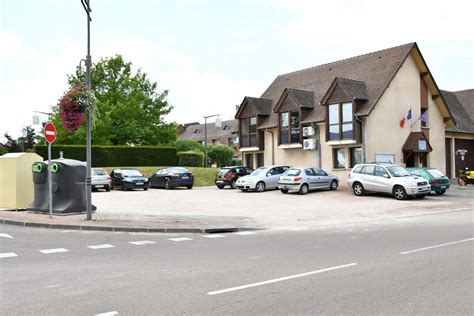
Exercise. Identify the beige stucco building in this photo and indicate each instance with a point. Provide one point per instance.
(382, 106)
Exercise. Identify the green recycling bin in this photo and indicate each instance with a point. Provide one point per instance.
(68, 186)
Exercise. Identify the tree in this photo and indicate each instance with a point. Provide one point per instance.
(131, 111)
(220, 154)
(11, 145)
(188, 145)
(29, 140)
(3, 150)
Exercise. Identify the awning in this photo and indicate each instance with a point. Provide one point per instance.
(416, 143)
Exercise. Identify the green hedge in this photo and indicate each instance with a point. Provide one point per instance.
(190, 159)
(120, 156)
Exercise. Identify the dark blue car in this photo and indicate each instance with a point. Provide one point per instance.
(172, 177)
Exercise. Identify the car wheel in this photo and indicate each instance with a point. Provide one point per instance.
(333, 185)
(358, 189)
(462, 182)
(123, 187)
(284, 191)
(167, 184)
(399, 193)
(440, 192)
(232, 184)
(304, 189)
(260, 186)
(189, 187)
(107, 188)
(220, 187)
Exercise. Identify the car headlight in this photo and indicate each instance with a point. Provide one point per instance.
(412, 183)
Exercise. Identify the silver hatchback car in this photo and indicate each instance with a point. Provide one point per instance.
(263, 178)
(100, 179)
(304, 179)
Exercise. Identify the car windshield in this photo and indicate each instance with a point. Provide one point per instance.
(131, 173)
(435, 173)
(259, 171)
(292, 172)
(178, 170)
(98, 172)
(397, 171)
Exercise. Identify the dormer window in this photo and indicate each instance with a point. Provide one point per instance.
(340, 122)
(196, 131)
(290, 127)
(248, 127)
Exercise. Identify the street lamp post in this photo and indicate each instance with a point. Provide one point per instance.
(87, 8)
(205, 137)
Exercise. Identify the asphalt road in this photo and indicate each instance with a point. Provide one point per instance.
(418, 265)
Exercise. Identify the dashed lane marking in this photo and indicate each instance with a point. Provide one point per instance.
(246, 233)
(108, 313)
(141, 242)
(436, 246)
(104, 246)
(8, 255)
(180, 239)
(54, 250)
(6, 236)
(214, 236)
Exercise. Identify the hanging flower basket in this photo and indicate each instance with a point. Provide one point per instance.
(73, 106)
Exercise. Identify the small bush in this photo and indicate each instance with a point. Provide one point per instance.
(190, 159)
(188, 145)
(236, 162)
(3, 150)
(220, 154)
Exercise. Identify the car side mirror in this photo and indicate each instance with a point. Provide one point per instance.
(386, 176)
(268, 174)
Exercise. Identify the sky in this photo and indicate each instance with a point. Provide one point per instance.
(210, 54)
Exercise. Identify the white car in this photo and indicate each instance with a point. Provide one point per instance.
(386, 178)
(100, 179)
(304, 179)
(263, 178)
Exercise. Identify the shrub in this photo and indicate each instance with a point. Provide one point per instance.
(188, 145)
(220, 154)
(236, 162)
(190, 159)
(117, 156)
(3, 150)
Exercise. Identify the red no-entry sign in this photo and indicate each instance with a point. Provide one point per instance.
(49, 132)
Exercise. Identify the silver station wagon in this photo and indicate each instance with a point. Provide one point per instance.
(304, 179)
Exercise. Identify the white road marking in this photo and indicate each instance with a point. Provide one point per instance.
(436, 246)
(280, 279)
(8, 255)
(108, 314)
(55, 250)
(141, 242)
(6, 236)
(246, 233)
(214, 236)
(180, 239)
(104, 246)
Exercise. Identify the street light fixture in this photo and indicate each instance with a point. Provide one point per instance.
(205, 135)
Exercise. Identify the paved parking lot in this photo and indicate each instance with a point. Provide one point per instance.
(272, 209)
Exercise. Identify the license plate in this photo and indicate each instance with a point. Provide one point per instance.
(443, 187)
(184, 177)
(99, 186)
(139, 183)
(218, 181)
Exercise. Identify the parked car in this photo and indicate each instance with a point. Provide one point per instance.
(172, 177)
(386, 178)
(100, 179)
(438, 181)
(229, 175)
(128, 179)
(263, 178)
(304, 179)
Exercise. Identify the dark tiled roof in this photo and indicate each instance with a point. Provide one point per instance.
(196, 132)
(304, 99)
(375, 69)
(411, 144)
(357, 89)
(259, 105)
(460, 104)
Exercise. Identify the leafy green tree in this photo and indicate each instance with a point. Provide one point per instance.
(12, 145)
(220, 154)
(3, 150)
(131, 111)
(188, 145)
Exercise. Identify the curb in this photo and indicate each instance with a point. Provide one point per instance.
(213, 230)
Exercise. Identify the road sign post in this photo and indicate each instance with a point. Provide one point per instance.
(49, 132)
